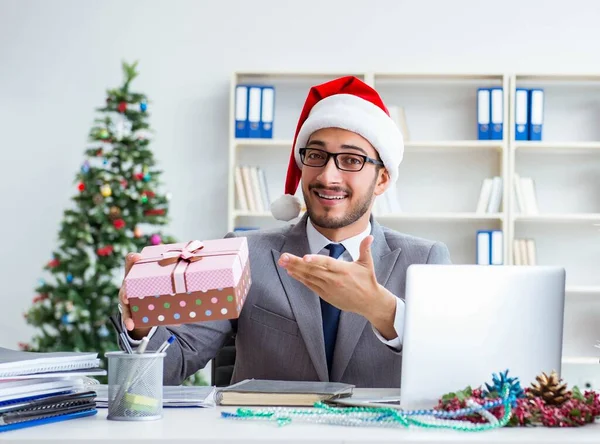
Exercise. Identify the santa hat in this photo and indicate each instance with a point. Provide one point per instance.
(346, 103)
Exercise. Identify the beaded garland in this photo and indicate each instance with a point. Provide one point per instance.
(385, 417)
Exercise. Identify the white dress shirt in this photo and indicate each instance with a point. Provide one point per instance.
(317, 243)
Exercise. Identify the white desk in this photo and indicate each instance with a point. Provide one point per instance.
(207, 426)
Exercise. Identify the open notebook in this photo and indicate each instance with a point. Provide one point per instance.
(18, 363)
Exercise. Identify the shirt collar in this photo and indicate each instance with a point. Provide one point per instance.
(317, 242)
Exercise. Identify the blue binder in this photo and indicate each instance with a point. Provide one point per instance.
(521, 114)
(254, 106)
(267, 112)
(496, 114)
(483, 255)
(536, 113)
(241, 111)
(483, 113)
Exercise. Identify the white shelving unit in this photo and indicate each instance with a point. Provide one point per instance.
(444, 166)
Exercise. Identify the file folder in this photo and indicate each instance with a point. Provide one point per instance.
(267, 112)
(241, 112)
(536, 114)
(483, 246)
(496, 114)
(254, 104)
(497, 247)
(521, 114)
(483, 113)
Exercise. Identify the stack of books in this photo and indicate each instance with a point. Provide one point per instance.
(40, 388)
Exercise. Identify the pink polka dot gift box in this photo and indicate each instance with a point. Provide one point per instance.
(189, 282)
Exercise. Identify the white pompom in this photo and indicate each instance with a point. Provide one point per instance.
(286, 207)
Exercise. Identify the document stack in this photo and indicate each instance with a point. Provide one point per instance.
(40, 388)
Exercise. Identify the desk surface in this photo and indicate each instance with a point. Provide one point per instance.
(206, 425)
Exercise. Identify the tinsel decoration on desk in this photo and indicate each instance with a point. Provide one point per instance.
(502, 403)
(386, 417)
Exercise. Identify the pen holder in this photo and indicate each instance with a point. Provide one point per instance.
(135, 386)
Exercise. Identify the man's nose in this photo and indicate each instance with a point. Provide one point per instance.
(330, 172)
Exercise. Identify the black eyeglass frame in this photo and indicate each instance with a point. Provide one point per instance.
(366, 159)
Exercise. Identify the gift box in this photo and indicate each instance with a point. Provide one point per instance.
(189, 282)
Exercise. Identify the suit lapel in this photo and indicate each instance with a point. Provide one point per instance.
(304, 302)
(351, 325)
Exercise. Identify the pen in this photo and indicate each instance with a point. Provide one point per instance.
(126, 343)
(166, 344)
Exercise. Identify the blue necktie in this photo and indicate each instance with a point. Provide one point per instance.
(331, 314)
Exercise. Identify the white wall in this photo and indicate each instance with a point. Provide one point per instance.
(58, 57)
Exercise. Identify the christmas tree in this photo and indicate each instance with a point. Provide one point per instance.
(117, 208)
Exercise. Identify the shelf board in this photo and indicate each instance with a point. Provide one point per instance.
(406, 216)
(558, 147)
(276, 143)
(592, 360)
(454, 144)
(559, 217)
(410, 145)
(583, 290)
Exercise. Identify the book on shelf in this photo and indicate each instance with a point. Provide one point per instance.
(251, 189)
(490, 196)
(525, 195)
(524, 252)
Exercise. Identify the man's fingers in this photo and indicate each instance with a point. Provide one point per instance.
(131, 259)
(125, 311)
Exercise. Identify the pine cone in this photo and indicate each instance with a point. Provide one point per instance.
(549, 388)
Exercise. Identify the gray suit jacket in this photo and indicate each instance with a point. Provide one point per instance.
(279, 332)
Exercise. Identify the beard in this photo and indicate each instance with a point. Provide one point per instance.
(355, 212)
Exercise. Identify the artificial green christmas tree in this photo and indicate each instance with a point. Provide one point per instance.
(117, 209)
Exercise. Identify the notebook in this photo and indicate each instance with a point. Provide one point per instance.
(262, 392)
(32, 387)
(17, 363)
(29, 412)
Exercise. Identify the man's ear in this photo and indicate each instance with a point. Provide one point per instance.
(383, 182)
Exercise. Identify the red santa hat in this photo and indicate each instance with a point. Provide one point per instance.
(346, 103)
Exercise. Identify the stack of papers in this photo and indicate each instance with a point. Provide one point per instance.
(173, 396)
(38, 388)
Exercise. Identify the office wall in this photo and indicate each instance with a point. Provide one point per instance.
(58, 57)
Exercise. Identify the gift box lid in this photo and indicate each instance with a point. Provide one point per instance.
(218, 263)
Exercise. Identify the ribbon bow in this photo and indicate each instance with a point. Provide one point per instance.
(189, 253)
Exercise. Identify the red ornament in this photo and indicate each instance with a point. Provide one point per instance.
(105, 251)
(54, 263)
(81, 186)
(154, 212)
(99, 152)
(123, 183)
(139, 176)
(119, 224)
(148, 193)
(122, 107)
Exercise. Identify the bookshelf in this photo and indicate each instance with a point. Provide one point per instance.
(444, 167)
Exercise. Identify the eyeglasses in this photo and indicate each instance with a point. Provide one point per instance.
(313, 157)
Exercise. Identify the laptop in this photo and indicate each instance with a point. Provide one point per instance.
(465, 322)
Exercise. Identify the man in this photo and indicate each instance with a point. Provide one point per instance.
(326, 302)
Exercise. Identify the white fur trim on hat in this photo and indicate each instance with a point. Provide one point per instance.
(360, 116)
(286, 207)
